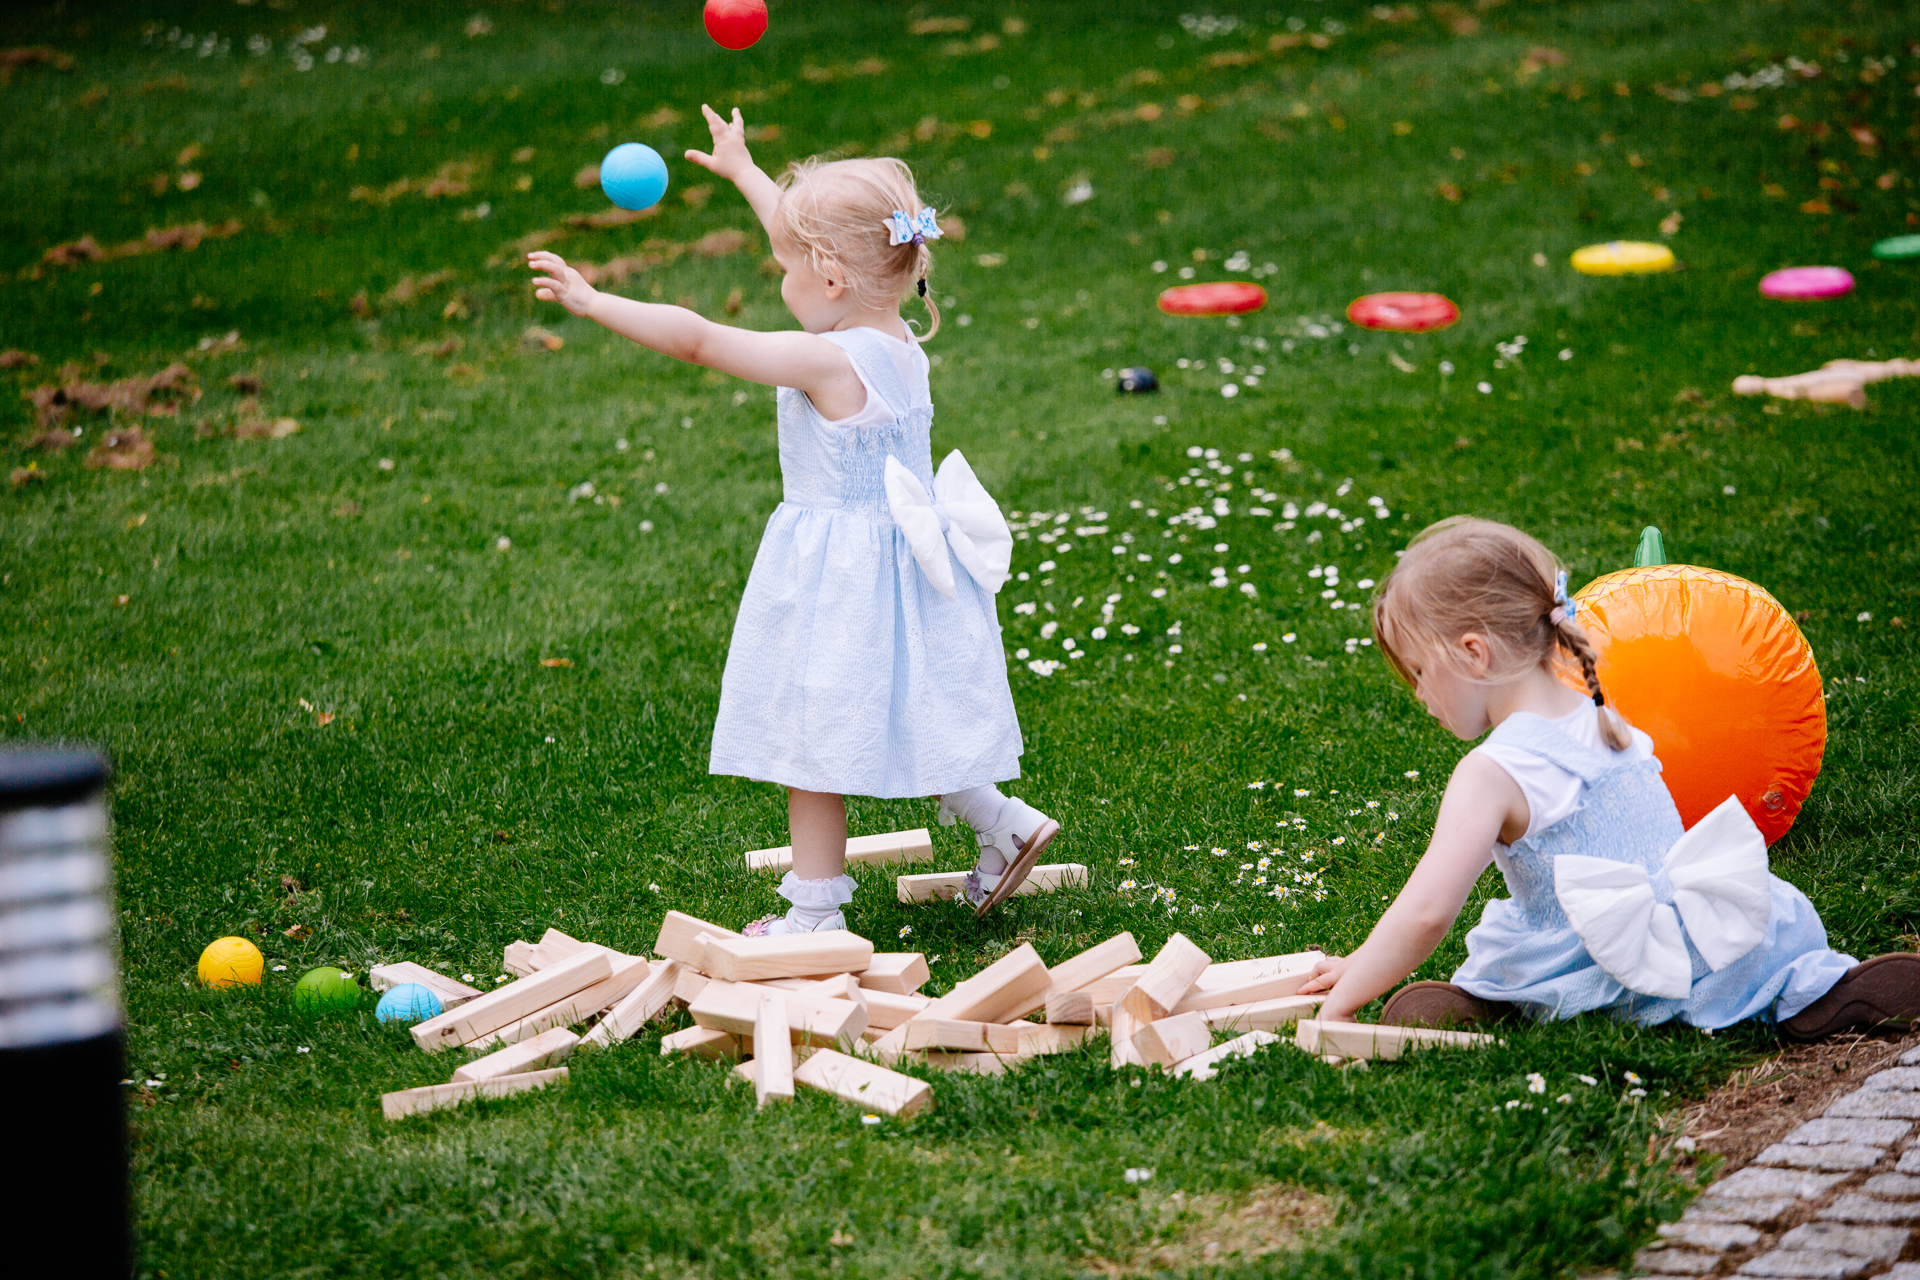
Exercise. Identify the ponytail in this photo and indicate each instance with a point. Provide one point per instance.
(923, 269)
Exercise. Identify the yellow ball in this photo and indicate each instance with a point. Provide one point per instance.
(230, 962)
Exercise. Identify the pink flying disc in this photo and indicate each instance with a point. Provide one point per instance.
(1403, 312)
(1801, 283)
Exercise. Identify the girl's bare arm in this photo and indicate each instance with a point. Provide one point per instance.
(1481, 799)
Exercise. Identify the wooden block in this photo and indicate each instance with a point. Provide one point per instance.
(1070, 1008)
(991, 995)
(1225, 973)
(864, 1084)
(1052, 1038)
(962, 1036)
(689, 983)
(1121, 1031)
(944, 886)
(889, 846)
(798, 955)
(509, 1004)
(544, 1050)
(639, 1006)
(1173, 1039)
(841, 986)
(1110, 988)
(987, 1064)
(517, 959)
(438, 1097)
(1273, 986)
(701, 1042)
(383, 977)
(773, 1078)
(901, 972)
(1366, 1041)
(885, 1011)
(628, 973)
(735, 1007)
(1095, 963)
(680, 938)
(1168, 978)
(1206, 1066)
(1263, 1015)
(555, 946)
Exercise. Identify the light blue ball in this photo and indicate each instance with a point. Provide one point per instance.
(408, 1002)
(634, 176)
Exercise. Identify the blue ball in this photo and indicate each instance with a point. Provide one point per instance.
(408, 1002)
(634, 176)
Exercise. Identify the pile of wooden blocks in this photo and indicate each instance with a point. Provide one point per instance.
(827, 1011)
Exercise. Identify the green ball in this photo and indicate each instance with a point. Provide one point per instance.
(326, 990)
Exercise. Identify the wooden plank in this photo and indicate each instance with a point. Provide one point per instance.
(544, 1050)
(438, 1097)
(901, 972)
(864, 1084)
(1226, 973)
(1070, 1008)
(990, 995)
(888, 846)
(773, 1079)
(555, 946)
(507, 1005)
(1053, 1038)
(1274, 986)
(1263, 1015)
(628, 973)
(839, 986)
(639, 1006)
(701, 1042)
(798, 955)
(1077, 971)
(1120, 1031)
(384, 977)
(944, 886)
(1172, 1039)
(517, 958)
(1110, 988)
(735, 1007)
(1168, 978)
(680, 938)
(689, 983)
(1368, 1041)
(885, 1011)
(962, 1036)
(1206, 1066)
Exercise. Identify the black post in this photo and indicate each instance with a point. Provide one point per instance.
(62, 1046)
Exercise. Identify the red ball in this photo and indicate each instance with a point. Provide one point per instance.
(735, 24)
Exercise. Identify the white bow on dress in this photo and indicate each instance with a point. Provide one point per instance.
(1721, 891)
(973, 525)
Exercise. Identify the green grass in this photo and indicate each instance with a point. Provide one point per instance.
(465, 795)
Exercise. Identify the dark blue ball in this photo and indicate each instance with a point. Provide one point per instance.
(1138, 380)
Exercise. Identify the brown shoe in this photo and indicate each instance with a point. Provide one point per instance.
(1877, 991)
(1440, 1004)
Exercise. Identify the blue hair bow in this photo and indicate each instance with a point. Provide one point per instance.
(902, 229)
(1565, 604)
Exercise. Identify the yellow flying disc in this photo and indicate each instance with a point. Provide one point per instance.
(1622, 258)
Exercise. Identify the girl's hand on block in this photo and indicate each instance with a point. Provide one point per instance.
(561, 283)
(1324, 975)
(730, 158)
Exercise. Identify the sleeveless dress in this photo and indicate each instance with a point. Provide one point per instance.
(849, 672)
(1525, 950)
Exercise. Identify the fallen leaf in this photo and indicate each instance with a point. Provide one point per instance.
(539, 339)
(29, 474)
(556, 662)
(587, 177)
(325, 718)
(21, 359)
(247, 384)
(298, 932)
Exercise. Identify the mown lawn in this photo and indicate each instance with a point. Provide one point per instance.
(312, 655)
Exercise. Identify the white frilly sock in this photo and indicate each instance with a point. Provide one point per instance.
(815, 902)
(978, 807)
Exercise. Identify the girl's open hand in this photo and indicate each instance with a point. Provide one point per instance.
(730, 158)
(561, 283)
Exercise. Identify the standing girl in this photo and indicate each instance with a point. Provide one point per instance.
(1613, 905)
(866, 657)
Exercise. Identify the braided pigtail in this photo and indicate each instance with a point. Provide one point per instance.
(1568, 635)
(923, 267)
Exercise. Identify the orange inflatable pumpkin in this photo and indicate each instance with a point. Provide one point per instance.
(1716, 672)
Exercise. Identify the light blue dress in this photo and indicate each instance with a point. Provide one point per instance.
(1525, 951)
(849, 672)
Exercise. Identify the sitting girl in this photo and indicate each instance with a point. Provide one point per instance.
(1613, 905)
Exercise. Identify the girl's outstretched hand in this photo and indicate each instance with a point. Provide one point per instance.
(561, 283)
(1324, 975)
(730, 158)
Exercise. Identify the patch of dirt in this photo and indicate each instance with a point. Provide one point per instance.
(160, 394)
(123, 449)
(186, 237)
(1762, 1103)
(1198, 1231)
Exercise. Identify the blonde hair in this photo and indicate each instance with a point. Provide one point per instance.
(1463, 575)
(836, 212)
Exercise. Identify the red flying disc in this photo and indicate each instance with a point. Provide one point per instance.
(1403, 312)
(735, 24)
(1226, 298)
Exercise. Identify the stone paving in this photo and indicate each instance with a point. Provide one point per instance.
(1837, 1198)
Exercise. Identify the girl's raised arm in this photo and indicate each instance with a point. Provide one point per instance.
(1482, 802)
(786, 359)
